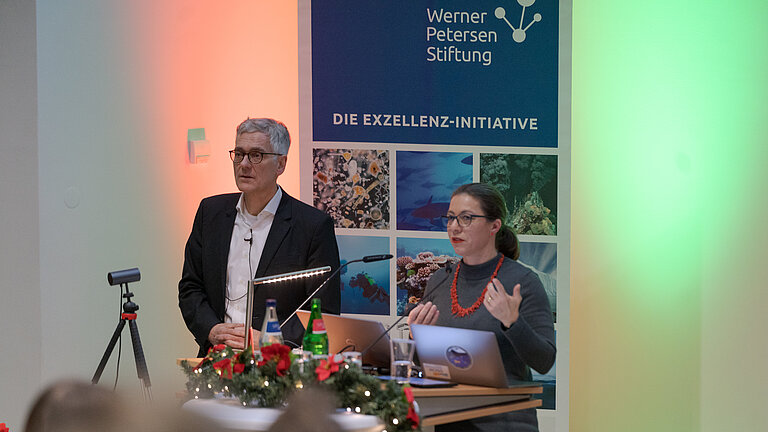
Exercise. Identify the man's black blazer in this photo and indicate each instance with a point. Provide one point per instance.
(301, 237)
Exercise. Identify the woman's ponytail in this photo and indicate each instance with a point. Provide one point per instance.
(506, 242)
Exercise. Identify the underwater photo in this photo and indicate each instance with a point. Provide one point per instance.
(417, 259)
(529, 186)
(352, 186)
(542, 259)
(424, 184)
(548, 382)
(364, 286)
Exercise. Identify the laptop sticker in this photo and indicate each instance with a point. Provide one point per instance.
(459, 357)
(436, 371)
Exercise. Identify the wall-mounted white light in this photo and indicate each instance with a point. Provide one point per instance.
(198, 147)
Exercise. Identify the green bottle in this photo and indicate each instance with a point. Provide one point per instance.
(315, 337)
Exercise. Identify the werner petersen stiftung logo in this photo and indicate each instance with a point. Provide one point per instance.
(518, 34)
(464, 36)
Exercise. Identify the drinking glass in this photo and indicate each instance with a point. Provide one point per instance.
(402, 358)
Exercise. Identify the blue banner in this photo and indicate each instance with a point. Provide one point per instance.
(435, 72)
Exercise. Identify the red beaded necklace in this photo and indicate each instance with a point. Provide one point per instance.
(456, 308)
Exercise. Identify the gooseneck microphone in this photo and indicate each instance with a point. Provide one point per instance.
(366, 259)
(372, 258)
(426, 298)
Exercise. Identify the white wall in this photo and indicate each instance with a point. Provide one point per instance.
(20, 342)
(95, 152)
(106, 92)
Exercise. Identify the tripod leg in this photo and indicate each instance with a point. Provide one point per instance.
(108, 352)
(138, 354)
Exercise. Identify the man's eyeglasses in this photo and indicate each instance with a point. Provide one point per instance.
(464, 219)
(254, 157)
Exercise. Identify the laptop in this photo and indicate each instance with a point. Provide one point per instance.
(461, 355)
(353, 334)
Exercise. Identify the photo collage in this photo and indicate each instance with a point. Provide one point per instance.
(354, 186)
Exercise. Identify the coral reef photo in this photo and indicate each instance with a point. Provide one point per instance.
(529, 186)
(417, 259)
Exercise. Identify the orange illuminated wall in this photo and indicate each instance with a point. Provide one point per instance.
(211, 65)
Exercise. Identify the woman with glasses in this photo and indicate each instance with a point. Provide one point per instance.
(489, 290)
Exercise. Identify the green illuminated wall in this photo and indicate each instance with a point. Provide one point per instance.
(670, 150)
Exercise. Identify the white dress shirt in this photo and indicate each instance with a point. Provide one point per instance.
(239, 270)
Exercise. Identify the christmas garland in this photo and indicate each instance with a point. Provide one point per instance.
(267, 380)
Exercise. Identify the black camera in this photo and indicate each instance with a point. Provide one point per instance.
(120, 277)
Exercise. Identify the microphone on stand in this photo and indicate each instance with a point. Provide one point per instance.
(366, 259)
(431, 296)
(372, 258)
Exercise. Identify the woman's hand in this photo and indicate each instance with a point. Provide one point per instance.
(503, 307)
(424, 314)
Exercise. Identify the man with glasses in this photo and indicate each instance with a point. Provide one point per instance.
(258, 232)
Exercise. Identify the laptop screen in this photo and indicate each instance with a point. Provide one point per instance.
(353, 334)
(461, 355)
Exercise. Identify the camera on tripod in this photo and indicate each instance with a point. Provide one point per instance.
(123, 278)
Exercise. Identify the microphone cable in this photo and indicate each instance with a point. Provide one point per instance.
(119, 338)
(448, 269)
(250, 268)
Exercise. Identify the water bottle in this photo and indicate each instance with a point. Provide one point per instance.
(270, 330)
(316, 338)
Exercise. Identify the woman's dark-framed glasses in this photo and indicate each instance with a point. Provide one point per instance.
(464, 219)
(254, 157)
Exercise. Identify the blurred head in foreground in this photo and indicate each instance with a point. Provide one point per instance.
(69, 406)
(79, 406)
(308, 410)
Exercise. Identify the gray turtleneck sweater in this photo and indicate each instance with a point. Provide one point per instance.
(528, 343)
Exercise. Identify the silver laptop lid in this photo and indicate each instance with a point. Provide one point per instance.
(359, 333)
(461, 355)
